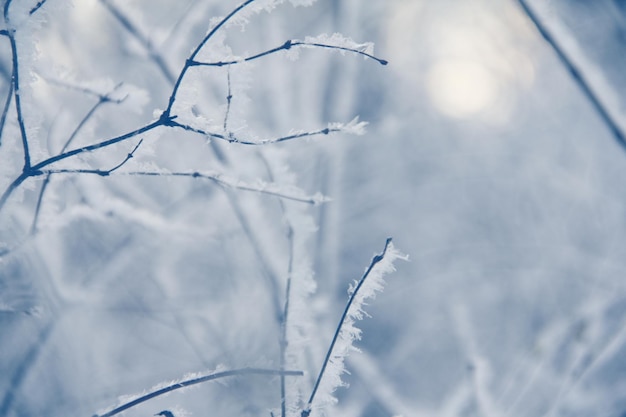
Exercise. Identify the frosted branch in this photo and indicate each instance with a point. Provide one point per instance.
(287, 46)
(353, 127)
(577, 74)
(284, 192)
(346, 333)
(195, 381)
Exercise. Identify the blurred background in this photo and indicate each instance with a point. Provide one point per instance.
(484, 159)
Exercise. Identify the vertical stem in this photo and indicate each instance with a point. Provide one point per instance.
(283, 336)
(375, 260)
(15, 81)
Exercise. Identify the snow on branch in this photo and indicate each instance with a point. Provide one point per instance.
(346, 333)
(287, 192)
(353, 127)
(189, 381)
(336, 41)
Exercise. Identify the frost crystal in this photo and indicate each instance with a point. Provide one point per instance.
(371, 283)
(340, 41)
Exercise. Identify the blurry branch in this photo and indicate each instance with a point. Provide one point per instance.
(37, 6)
(147, 44)
(293, 194)
(577, 74)
(285, 47)
(24, 367)
(102, 99)
(283, 342)
(233, 139)
(194, 381)
(5, 110)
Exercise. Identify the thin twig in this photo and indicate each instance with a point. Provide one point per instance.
(284, 47)
(307, 410)
(283, 342)
(234, 139)
(215, 177)
(196, 51)
(577, 75)
(194, 381)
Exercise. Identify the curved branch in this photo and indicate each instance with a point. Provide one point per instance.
(285, 47)
(194, 381)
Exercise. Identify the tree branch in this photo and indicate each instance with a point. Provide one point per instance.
(284, 47)
(307, 410)
(194, 381)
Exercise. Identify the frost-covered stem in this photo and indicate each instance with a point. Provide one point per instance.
(216, 178)
(197, 50)
(577, 75)
(15, 81)
(134, 31)
(36, 170)
(234, 139)
(194, 381)
(375, 260)
(98, 145)
(102, 173)
(286, 46)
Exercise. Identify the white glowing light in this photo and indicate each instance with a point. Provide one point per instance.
(461, 88)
